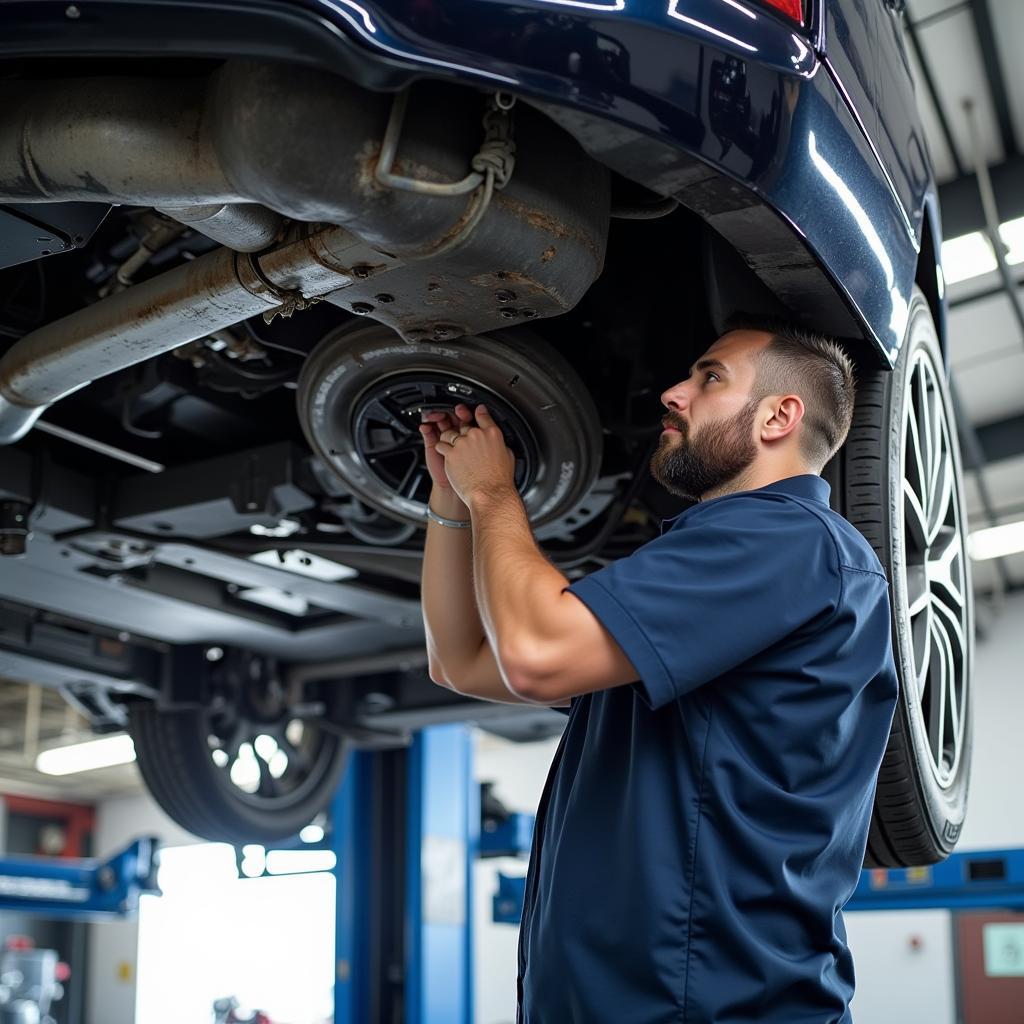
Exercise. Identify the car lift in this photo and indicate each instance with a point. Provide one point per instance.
(80, 888)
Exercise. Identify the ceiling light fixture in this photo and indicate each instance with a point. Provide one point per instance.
(971, 255)
(996, 541)
(84, 757)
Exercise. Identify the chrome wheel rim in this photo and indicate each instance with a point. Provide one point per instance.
(387, 440)
(933, 587)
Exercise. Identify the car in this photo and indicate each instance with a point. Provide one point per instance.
(246, 245)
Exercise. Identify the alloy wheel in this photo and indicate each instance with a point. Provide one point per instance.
(933, 591)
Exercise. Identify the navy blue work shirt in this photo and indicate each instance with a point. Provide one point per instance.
(702, 828)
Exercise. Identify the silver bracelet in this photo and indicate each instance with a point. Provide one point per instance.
(459, 524)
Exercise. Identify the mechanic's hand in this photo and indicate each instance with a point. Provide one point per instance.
(434, 424)
(479, 461)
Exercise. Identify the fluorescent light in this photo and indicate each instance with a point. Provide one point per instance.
(967, 256)
(84, 757)
(996, 541)
(293, 862)
(1012, 233)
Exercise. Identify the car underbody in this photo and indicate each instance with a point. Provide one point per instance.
(231, 288)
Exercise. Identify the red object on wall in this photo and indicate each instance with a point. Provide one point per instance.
(985, 999)
(78, 819)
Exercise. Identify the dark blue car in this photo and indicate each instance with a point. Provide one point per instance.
(247, 243)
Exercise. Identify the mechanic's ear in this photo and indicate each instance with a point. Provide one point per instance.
(786, 413)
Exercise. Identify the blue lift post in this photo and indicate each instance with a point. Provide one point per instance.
(406, 868)
(80, 889)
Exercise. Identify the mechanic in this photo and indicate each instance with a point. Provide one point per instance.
(729, 688)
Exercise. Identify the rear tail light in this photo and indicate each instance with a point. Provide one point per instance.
(790, 8)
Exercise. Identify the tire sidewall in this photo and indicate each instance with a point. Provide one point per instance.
(559, 416)
(944, 808)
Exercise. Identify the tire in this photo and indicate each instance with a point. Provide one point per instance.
(174, 755)
(363, 382)
(921, 795)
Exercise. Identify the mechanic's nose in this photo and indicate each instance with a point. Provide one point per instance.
(676, 397)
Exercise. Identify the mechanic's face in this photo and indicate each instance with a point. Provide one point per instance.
(713, 413)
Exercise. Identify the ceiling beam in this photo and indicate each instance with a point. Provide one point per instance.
(960, 202)
(994, 74)
(1003, 439)
(933, 92)
(985, 293)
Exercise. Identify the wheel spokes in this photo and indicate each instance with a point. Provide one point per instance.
(915, 520)
(944, 567)
(934, 589)
(914, 470)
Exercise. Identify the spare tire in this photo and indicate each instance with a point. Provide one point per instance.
(362, 389)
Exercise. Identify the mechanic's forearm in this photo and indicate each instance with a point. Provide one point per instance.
(517, 587)
(450, 617)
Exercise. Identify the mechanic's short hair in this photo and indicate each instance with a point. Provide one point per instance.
(813, 366)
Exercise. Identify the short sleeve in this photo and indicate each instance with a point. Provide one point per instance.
(725, 583)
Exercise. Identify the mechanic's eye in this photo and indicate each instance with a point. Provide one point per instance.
(710, 374)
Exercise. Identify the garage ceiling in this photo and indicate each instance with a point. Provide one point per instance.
(968, 50)
(959, 49)
(34, 718)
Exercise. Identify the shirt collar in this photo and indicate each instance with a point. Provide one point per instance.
(806, 485)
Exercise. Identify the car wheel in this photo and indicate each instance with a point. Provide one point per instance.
(250, 769)
(902, 487)
(362, 389)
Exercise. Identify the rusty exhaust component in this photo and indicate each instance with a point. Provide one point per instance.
(243, 151)
(182, 305)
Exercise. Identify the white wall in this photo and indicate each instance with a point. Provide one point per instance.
(903, 965)
(995, 810)
(113, 945)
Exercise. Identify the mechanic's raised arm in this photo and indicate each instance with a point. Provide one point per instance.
(459, 653)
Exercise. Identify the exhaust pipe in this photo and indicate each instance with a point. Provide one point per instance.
(237, 153)
(182, 305)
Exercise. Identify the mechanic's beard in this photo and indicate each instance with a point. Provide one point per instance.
(716, 455)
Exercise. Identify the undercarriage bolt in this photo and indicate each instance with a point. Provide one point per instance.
(384, 297)
(527, 313)
(14, 530)
(505, 296)
(508, 313)
(362, 271)
(361, 308)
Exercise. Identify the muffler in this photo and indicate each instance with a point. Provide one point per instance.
(253, 147)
